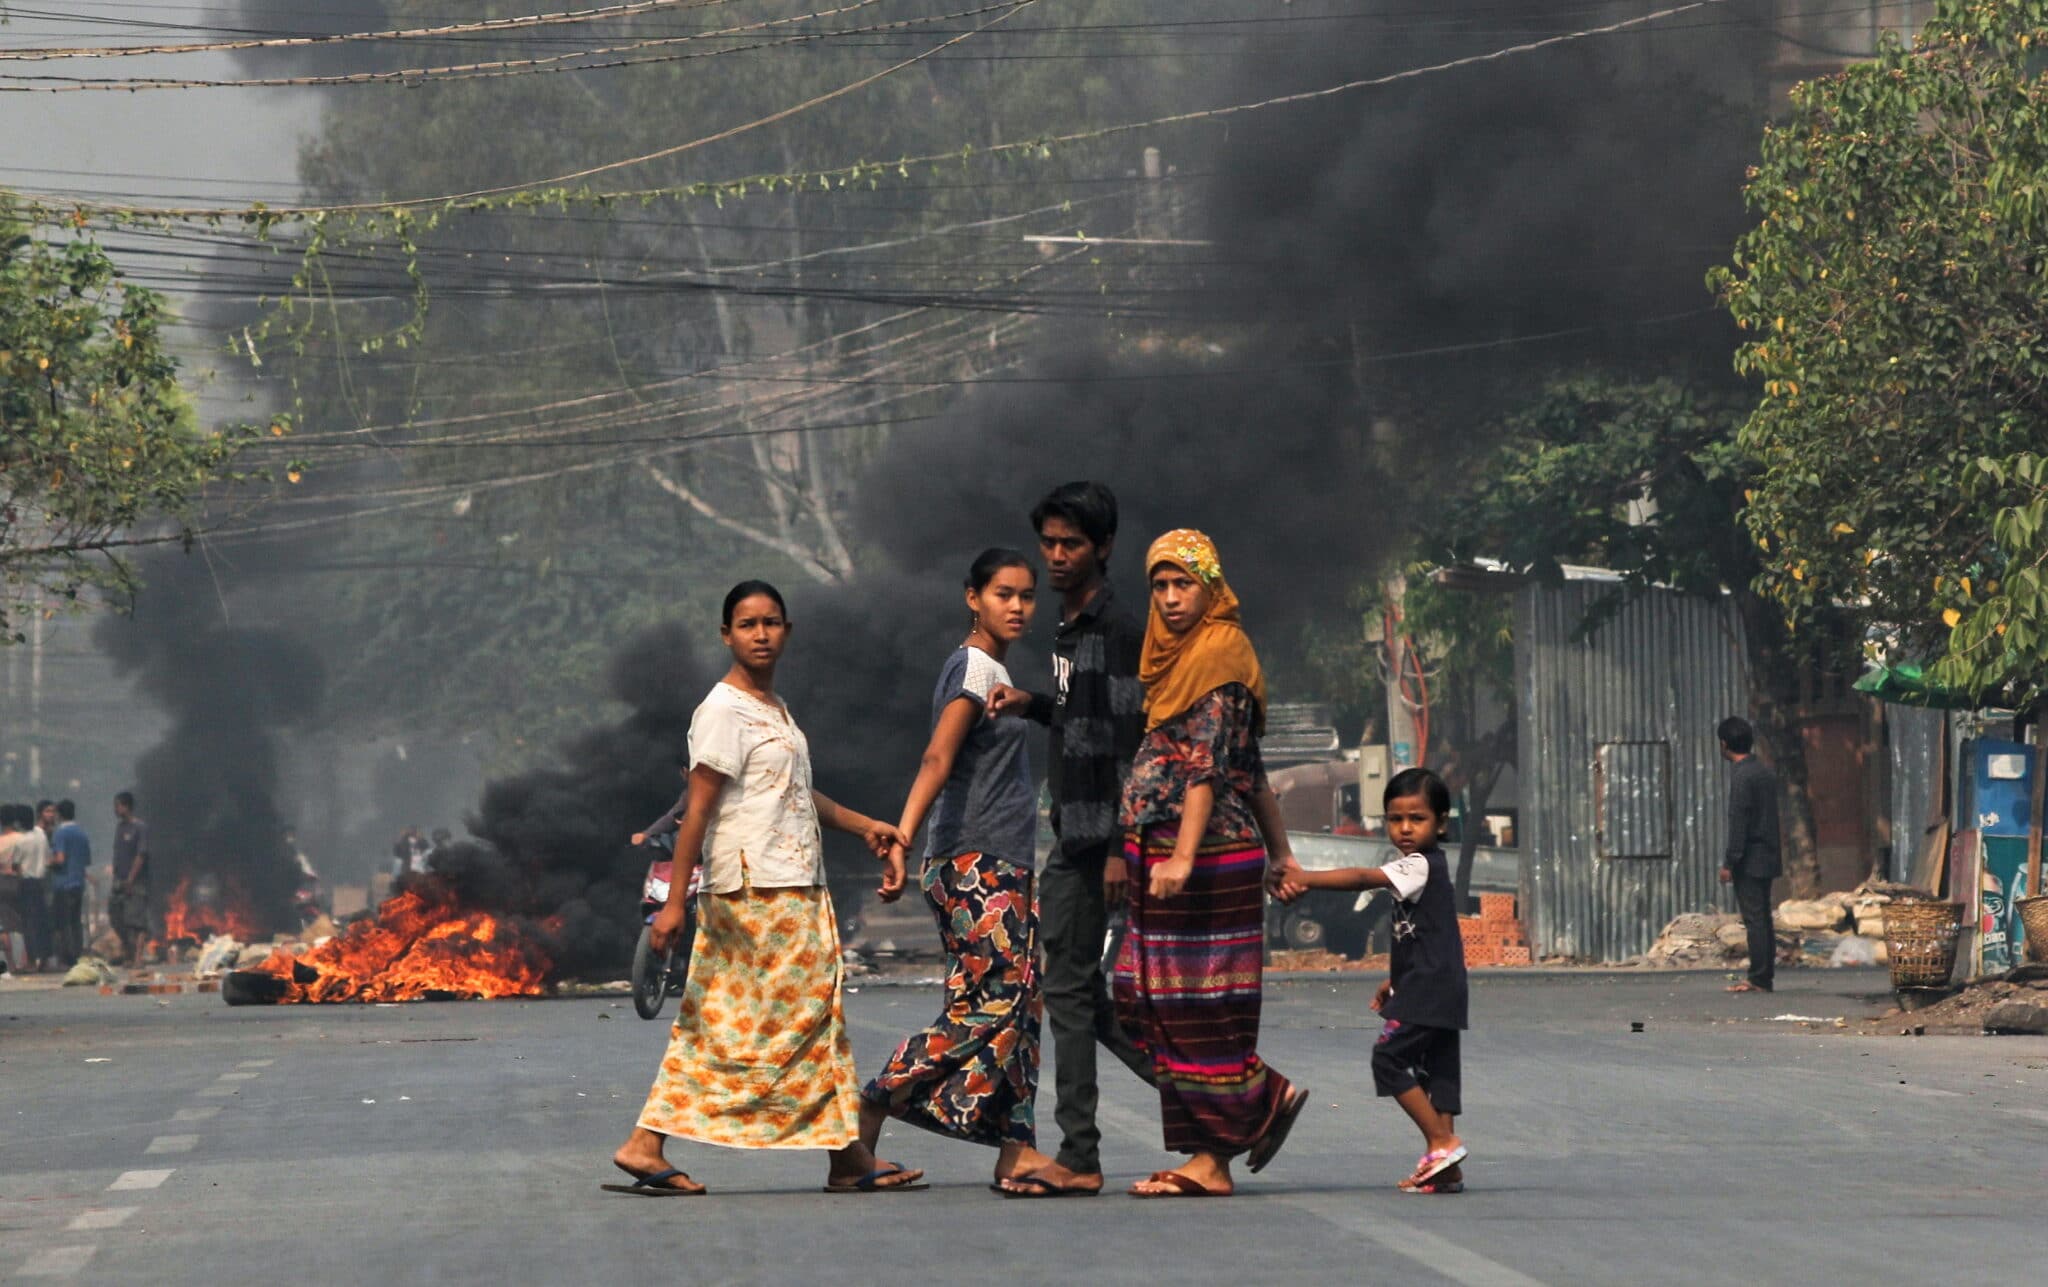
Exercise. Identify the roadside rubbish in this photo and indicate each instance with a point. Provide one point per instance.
(90, 971)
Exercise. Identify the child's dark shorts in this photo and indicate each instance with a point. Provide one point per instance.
(1408, 1055)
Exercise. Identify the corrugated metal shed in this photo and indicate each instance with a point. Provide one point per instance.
(1618, 757)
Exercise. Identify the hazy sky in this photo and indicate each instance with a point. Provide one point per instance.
(226, 146)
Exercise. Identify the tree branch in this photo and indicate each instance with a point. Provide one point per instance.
(794, 552)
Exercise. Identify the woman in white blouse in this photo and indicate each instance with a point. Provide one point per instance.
(759, 1056)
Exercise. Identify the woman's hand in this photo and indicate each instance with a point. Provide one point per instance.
(1379, 997)
(1168, 878)
(1283, 880)
(881, 837)
(668, 925)
(639, 838)
(893, 878)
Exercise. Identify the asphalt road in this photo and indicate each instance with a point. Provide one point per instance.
(174, 1141)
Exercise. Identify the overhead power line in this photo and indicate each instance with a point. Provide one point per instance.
(1022, 145)
(353, 37)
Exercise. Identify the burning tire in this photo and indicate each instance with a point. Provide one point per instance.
(651, 975)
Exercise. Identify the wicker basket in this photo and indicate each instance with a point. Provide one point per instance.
(2034, 919)
(1920, 940)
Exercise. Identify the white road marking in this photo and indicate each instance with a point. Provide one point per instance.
(2038, 1114)
(138, 1180)
(1932, 1092)
(173, 1144)
(1432, 1251)
(240, 1076)
(195, 1114)
(256, 1063)
(100, 1218)
(219, 1091)
(57, 1262)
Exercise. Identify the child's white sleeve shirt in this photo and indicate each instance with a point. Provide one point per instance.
(1407, 874)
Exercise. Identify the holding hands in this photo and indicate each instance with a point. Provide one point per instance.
(893, 877)
(888, 842)
(1284, 880)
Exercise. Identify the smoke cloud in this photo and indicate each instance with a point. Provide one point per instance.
(1390, 270)
(209, 789)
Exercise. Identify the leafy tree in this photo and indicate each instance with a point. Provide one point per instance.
(1469, 640)
(1894, 295)
(97, 438)
(1646, 479)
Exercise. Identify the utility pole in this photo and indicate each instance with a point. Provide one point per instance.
(1402, 751)
(35, 694)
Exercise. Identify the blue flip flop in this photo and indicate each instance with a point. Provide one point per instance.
(872, 1182)
(655, 1186)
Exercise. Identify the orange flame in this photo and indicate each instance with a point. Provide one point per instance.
(185, 919)
(418, 946)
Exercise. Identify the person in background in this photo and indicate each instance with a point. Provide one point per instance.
(1424, 1000)
(1096, 712)
(128, 906)
(10, 835)
(70, 855)
(32, 864)
(1751, 861)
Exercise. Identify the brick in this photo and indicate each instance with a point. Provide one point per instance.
(1497, 908)
(1517, 955)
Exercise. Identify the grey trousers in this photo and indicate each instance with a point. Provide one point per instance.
(1072, 919)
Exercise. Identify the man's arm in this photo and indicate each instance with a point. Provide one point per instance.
(1740, 806)
(667, 822)
(141, 855)
(1006, 699)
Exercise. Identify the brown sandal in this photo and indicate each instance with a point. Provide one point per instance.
(1183, 1186)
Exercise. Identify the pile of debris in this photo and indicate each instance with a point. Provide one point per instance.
(1834, 930)
(2014, 1003)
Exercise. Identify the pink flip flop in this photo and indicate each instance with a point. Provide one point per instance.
(1436, 1162)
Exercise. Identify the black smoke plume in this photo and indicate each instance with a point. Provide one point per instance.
(209, 790)
(1390, 270)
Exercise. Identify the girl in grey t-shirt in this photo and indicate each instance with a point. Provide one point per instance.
(973, 1074)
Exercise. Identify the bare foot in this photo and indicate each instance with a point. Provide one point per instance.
(855, 1161)
(1054, 1175)
(1019, 1159)
(641, 1158)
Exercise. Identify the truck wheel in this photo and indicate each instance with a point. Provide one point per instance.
(1303, 933)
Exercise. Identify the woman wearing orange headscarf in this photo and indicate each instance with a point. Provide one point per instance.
(1194, 811)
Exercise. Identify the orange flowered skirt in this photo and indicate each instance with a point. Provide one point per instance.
(759, 1056)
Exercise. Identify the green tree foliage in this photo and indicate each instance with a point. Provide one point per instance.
(97, 439)
(1894, 295)
(1647, 480)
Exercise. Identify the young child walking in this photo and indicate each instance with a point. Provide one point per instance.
(1415, 1060)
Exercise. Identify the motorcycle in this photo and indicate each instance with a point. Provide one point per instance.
(657, 977)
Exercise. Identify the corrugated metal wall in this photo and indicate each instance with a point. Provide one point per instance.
(1665, 669)
(1915, 754)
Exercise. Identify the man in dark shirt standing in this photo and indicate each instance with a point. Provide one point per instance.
(128, 907)
(1097, 717)
(1751, 862)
